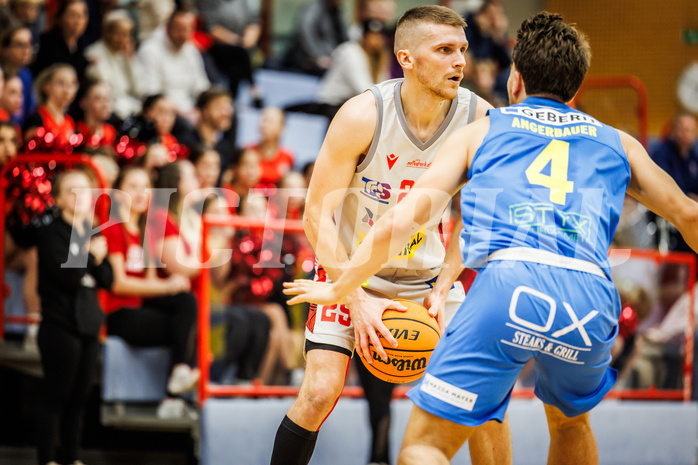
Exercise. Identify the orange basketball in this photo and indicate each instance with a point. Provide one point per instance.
(417, 334)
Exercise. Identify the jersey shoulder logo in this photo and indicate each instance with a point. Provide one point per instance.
(392, 158)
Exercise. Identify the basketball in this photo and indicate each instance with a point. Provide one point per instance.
(417, 334)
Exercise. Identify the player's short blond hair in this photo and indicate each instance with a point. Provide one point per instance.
(427, 14)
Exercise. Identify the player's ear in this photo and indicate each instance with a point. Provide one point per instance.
(516, 84)
(405, 59)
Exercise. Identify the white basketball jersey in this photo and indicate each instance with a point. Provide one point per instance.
(395, 160)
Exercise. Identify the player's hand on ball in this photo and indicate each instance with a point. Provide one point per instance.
(366, 316)
(317, 292)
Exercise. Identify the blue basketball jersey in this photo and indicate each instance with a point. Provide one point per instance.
(547, 177)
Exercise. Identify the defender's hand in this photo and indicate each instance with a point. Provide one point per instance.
(435, 303)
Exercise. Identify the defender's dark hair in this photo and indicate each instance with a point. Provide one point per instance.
(552, 56)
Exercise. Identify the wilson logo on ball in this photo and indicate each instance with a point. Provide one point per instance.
(401, 365)
(416, 333)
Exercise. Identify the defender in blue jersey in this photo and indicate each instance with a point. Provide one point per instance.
(545, 187)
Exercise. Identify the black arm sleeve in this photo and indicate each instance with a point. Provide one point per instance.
(103, 273)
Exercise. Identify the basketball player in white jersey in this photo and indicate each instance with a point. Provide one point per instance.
(378, 144)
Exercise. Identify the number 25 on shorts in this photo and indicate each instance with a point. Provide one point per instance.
(557, 153)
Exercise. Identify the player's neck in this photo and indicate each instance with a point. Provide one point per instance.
(424, 111)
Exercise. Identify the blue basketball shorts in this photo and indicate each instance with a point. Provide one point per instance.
(566, 320)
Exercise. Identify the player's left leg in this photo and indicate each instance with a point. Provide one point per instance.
(431, 439)
(490, 443)
(571, 439)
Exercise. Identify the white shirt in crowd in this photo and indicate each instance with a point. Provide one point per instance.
(349, 75)
(180, 75)
(124, 76)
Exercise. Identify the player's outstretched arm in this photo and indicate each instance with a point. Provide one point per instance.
(655, 189)
(435, 301)
(423, 204)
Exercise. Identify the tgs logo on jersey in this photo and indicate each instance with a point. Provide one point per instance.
(376, 190)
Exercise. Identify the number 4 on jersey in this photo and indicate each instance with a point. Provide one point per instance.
(557, 153)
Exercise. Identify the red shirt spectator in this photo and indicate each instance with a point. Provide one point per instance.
(275, 168)
(166, 227)
(61, 130)
(57, 86)
(121, 241)
(275, 161)
(96, 104)
(104, 136)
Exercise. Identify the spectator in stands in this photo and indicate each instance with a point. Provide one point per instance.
(207, 163)
(215, 126)
(71, 316)
(487, 39)
(678, 156)
(97, 10)
(95, 102)
(256, 282)
(234, 32)
(177, 217)
(17, 53)
(159, 113)
(175, 65)
(274, 161)
(9, 142)
(247, 328)
(320, 30)
(379, 10)
(293, 190)
(62, 43)
(106, 161)
(484, 80)
(153, 15)
(23, 261)
(356, 66)
(4, 115)
(243, 173)
(112, 60)
(7, 18)
(30, 14)
(486, 33)
(144, 309)
(12, 98)
(635, 230)
(155, 157)
(56, 86)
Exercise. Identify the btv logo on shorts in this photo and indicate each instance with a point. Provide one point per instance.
(376, 190)
(392, 158)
